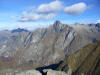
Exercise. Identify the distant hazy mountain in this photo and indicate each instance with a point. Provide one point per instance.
(47, 45)
(19, 30)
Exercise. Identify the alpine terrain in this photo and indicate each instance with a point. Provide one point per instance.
(76, 46)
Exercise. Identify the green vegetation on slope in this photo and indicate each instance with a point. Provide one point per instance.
(86, 61)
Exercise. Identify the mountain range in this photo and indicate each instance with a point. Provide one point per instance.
(21, 48)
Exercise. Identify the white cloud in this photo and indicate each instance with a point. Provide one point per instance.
(47, 16)
(50, 11)
(12, 17)
(25, 25)
(50, 7)
(44, 12)
(98, 21)
(35, 16)
(28, 16)
(31, 8)
(76, 8)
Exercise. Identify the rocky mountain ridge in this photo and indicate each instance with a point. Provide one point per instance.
(48, 45)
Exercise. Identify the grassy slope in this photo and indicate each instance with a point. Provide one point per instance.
(85, 61)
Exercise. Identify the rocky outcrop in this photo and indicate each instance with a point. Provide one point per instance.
(53, 72)
(29, 72)
(35, 72)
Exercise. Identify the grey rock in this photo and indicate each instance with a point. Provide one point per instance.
(53, 72)
(46, 46)
(29, 72)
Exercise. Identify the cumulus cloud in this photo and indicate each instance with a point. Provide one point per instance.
(26, 25)
(44, 12)
(12, 17)
(35, 16)
(50, 7)
(50, 11)
(98, 21)
(76, 8)
(31, 8)
(28, 17)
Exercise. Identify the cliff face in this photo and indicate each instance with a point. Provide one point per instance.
(86, 61)
(54, 43)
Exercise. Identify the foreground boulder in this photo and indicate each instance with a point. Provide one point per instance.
(35, 72)
(29, 72)
(53, 72)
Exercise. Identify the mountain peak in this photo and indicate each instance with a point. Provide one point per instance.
(98, 25)
(19, 30)
(58, 26)
(57, 22)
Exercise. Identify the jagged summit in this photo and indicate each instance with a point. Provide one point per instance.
(98, 25)
(58, 26)
(57, 22)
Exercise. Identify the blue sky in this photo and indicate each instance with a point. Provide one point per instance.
(32, 14)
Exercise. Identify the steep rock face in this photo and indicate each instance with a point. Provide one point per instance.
(56, 42)
(48, 45)
(16, 41)
(84, 62)
(58, 26)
